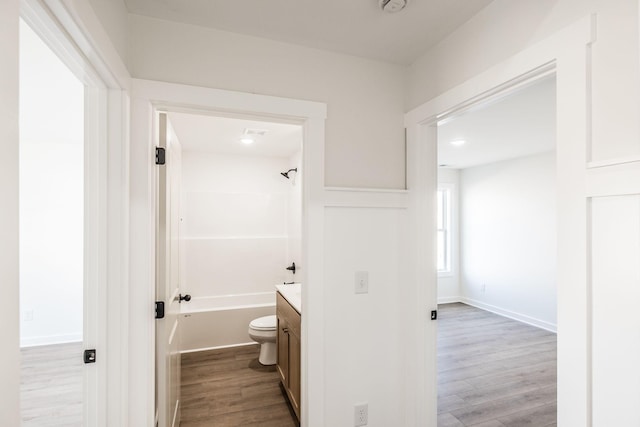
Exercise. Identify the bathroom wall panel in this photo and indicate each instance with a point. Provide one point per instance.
(208, 214)
(615, 315)
(234, 266)
(369, 325)
(227, 173)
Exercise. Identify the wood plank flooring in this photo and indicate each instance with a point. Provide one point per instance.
(229, 388)
(494, 371)
(51, 386)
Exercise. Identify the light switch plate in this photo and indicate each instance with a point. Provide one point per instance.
(362, 282)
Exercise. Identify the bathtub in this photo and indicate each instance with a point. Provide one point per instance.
(221, 321)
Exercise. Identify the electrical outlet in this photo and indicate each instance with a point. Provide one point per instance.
(483, 288)
(362, 282)
(361, 415)
(27, 315)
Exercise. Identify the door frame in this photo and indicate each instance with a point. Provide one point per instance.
(567, 54)
(149, 98)
(64, 27)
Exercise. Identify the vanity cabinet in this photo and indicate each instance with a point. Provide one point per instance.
(288, 341)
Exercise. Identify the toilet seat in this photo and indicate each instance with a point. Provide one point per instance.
(266, 323)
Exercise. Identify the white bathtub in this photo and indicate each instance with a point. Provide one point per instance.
(221, 321)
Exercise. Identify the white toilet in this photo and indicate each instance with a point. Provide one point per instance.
(263, 331)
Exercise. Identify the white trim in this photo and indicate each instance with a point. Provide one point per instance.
(50, 340)
(148, 98)
(73, 32)
(367, 190)
(365, 198)
(219, 347)
(449, 300)
(613, 162)
(547, 326)
(568, 53)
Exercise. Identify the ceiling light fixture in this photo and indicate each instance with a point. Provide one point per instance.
(391, 6)
(249, 135)
(458, 142)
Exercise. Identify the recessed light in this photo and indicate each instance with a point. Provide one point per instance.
(247, 140)
(458, 142)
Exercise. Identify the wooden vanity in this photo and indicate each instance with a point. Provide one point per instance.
(288, 341)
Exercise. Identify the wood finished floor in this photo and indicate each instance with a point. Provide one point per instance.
(51, 386)
(229, 388)
(494, 371)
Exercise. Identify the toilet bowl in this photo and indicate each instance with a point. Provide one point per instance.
(263, 331)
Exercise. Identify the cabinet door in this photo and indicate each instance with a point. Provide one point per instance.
(294, 372)
(283, 351)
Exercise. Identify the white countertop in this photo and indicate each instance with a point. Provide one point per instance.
(293, 294)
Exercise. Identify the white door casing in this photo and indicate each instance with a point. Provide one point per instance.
(167, 276)
(65, 28)
(567, 55)
(150, 97)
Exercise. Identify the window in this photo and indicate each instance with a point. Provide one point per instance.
(444, 229)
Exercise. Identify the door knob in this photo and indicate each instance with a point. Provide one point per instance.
(186, 297)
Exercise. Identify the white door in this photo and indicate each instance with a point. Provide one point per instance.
(167, 278)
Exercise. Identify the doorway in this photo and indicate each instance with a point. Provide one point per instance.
(229, 225)
(52, 205)
(152, 97)
(497, 260)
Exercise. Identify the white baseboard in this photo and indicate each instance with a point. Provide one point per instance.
(449, 300)
(49, 340)
(195, 350)
(551, 327)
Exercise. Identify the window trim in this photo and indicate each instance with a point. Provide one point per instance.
(449, 228)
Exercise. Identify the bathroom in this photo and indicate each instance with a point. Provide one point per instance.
(240, 236)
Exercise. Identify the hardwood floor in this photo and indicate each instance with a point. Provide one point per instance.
(494, 371)
(51, 386)
(229, 388)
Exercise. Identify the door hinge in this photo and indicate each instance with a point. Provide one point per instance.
(159, 309)
(434, 314)
(160, 156)
(90, 356)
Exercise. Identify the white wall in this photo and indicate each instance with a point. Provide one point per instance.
(491, 37)
(449, 283)
(9, 303)
(364, 361)
(365, 98)
(508, 238)
(113, 16)
(615, 299)
(236, 212)
(51, 196)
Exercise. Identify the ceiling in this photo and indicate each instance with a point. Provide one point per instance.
(354, 27)
(521, 124)
(222, 135)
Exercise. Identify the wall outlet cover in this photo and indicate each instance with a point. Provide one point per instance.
(361, 415)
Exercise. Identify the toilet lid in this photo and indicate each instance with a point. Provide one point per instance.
(265, 323)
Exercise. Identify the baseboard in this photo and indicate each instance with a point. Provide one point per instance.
(49, 340)
(449, 300)
(551, 327)
(195, 350)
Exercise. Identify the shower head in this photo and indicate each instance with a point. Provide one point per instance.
(286, 174)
